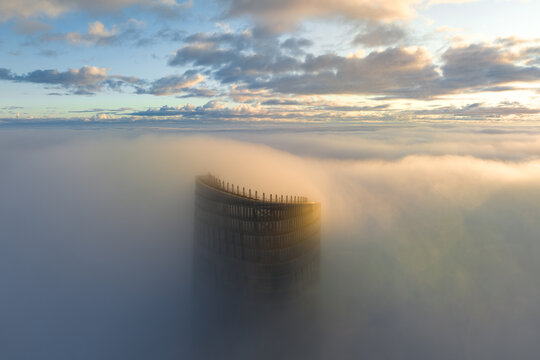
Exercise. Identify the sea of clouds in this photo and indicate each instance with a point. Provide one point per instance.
(430, 237)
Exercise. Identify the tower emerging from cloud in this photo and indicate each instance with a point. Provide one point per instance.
(256, 260)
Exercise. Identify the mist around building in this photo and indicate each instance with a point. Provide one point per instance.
(428, 244)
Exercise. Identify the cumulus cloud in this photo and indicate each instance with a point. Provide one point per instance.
(296, 45)
(174, 84)
(483, 65)
(285, 14)
(212, 110)
(198, 92)
(394, 70)
(391, 71)
(90, 79)
(52, 8)
(99, 34)
(85, 80)
(260, 61)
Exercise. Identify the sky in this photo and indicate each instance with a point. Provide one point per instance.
(301, 61)
(412, 122)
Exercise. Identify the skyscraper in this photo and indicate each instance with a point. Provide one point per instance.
(256, 259)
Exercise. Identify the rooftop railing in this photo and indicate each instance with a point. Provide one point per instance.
(219, 184)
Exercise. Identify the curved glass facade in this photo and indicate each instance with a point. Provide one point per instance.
(252, 247)
(256, 273)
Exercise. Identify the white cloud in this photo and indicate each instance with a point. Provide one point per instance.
(285, 14)
(52, 8)
(174, 84)
(436, 2)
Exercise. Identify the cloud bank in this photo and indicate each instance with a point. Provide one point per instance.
(91, 79)
(257, 60)
(429, 244)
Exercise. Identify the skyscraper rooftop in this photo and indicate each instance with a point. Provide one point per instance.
(263, 245)
(256, 259)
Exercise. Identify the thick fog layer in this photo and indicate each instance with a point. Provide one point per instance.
(430, 244)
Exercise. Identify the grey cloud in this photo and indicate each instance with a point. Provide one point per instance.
(212, 110)
(90, 79)
(202, 54)
(198, 92)
(235, 57)
(281, 102)
(85, 80)
(170, 111)
(174, 84)
(482, 65)
(48, 53)
(377, 34)
(99, 34)
(482, 111)
(498, 88)
(101, 110)
(394, 72)
(6, 74)
(30, 27)
(168, 34)
(296, 46)
(169, 9)
(532, 55)
(271, 110)
(355, 108)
